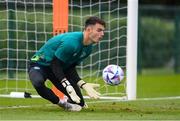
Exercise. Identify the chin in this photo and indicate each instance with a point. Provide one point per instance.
(96, 41)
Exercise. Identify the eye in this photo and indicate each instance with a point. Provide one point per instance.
(100, 30)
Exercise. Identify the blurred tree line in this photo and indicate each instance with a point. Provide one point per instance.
(160, 2)
(159, 40)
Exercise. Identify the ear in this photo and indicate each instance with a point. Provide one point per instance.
(89, 29)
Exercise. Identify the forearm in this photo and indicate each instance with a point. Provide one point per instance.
(56, 66)
(72, 74)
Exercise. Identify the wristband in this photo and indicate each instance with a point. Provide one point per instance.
(82, 84)
(65, 82)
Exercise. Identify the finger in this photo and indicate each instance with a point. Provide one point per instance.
(97, 93)
(75, 98)
(92, 95)
(94, 85)
(96, 97)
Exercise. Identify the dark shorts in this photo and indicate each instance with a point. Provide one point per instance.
(38, 74)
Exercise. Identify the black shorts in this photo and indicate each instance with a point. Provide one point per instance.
(46, 73)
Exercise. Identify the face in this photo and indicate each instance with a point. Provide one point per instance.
(96, 33)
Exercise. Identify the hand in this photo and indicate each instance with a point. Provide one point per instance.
(89, 88)
(70, 90)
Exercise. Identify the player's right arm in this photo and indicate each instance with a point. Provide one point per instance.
(56, 66)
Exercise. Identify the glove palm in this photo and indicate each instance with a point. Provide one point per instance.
(89, 88)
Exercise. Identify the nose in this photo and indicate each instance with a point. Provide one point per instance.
(102, 33)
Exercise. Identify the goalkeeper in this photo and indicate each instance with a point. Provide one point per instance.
(57, 59)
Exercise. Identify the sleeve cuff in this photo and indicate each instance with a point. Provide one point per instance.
(81, 83)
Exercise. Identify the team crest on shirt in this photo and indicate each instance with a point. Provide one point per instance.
(36, 67)
(74, 54)
(82, 55)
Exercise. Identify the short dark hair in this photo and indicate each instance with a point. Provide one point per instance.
(94, 20)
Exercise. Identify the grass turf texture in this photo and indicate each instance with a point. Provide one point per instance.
(140, 110)
(149, 85)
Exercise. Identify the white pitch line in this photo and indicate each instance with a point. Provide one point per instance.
(106, 97)
(139, 99)
(24, 106)
(160, 98)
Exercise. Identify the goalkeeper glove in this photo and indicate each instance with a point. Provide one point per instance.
(89, 88)
(70, 90)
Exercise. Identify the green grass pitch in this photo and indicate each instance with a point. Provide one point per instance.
(148, 86)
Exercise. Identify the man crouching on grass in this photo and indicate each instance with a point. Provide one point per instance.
(56, 60)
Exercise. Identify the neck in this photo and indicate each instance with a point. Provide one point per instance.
(86, 39)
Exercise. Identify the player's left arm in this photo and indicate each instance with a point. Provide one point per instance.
(88, 87)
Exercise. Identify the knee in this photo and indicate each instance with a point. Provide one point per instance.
(37, 79)
(37, 82)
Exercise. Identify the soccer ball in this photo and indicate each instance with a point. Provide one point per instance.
(113, 75)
